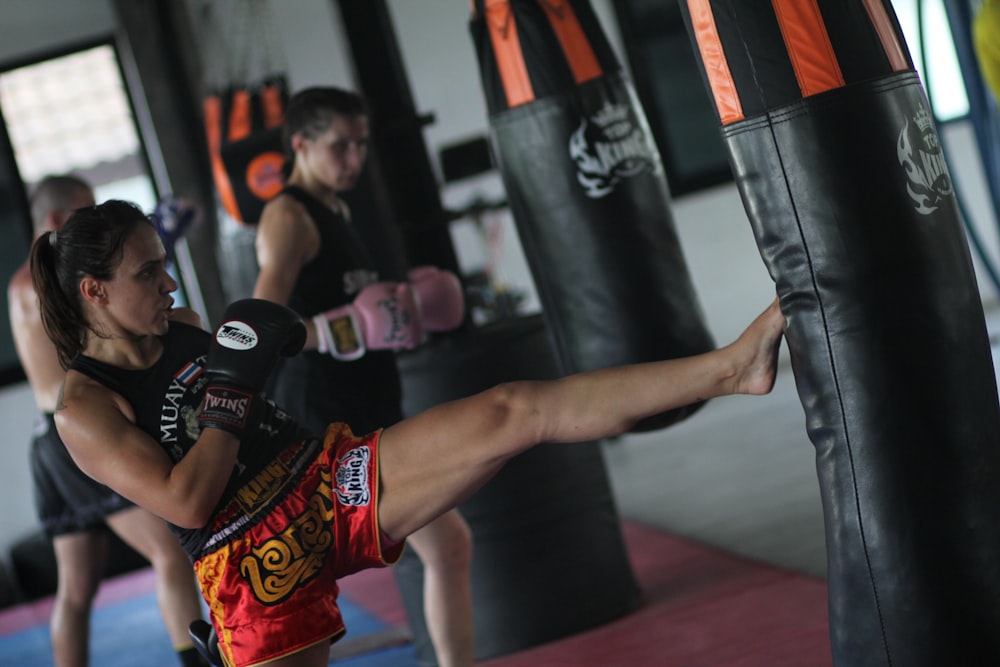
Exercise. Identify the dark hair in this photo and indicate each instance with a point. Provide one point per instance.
(311, 110)
(91, 243)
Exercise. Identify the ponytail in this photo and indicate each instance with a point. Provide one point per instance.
(61, 316)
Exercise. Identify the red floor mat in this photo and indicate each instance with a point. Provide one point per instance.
(702, 608)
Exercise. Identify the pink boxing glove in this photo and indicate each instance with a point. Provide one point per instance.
(439, 297)
(383, 316)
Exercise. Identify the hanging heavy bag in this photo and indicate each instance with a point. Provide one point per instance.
(244, 111)
(836, 157)
(586, 188)
(243, 129)
(251, 151)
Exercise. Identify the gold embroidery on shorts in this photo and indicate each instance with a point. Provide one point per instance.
(285, 562)
(256, 493)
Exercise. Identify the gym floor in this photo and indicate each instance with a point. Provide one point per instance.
(739, 474)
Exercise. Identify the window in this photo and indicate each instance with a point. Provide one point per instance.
(72, 114)
(65, 114)
(943, 80)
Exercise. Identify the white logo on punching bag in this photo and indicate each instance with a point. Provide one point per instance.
(608, 147)
(920, 154)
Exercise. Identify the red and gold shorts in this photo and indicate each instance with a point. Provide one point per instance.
(273, 590)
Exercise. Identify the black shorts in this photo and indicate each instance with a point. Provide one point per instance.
(66, 499)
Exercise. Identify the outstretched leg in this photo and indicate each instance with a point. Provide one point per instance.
(433, 461)
(80, 559)
(445, 549)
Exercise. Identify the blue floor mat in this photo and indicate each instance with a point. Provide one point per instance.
(131, 634)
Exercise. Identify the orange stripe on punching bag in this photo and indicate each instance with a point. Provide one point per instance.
(713, 58)
(240, 122)
(575, 44)
(508, 54)
(212, 109)
(272, 105)
(808, 45)
(887, 35)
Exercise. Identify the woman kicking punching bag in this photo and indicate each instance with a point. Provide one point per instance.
(835, 153)
(586, 188)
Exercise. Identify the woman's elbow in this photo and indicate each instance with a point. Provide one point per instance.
(190, 515)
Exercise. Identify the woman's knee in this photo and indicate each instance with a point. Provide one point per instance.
(78, 590)
(80, 559)
(150, 536)
(445, 543)
(166, 554)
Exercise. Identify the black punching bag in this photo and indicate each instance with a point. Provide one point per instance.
(549, 559)
(586, 188)
(834, 150)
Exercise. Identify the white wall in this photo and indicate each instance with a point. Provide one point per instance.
(726, 268)
(30, 27)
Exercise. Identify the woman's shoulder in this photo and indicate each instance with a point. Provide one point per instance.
(187, 316)
(186, 329)
(287, 214)
(291, 200)
(82, 395)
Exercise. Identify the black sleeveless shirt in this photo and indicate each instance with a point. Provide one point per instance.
(315, 387)
(167, 397)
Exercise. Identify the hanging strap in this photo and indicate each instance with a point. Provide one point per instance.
(255, 65)
(808, 45)
(573, 40)
(240, 115)
(802, 62)
(272, 101)
(507, 52)
(259, 56)
(509, 55)
(212, 110)
(713, 57)
(887, 34)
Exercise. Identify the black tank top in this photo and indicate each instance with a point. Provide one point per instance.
(167, 397)
(312, 385)
(341, 268)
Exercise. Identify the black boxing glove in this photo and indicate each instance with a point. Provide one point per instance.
(254, 333)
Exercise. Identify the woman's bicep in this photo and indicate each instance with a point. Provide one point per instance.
(98, 428)
(274, 284)
(286, 240)
(111, 449)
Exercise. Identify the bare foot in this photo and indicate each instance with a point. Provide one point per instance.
(757, 348)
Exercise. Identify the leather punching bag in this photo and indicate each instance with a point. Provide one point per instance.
(243, 130)
(586, 188)
(549, 558)
(835, 153)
